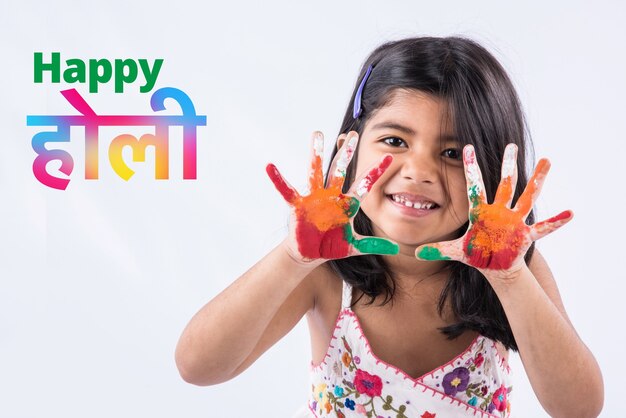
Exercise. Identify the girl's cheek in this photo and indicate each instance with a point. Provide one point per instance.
(370, 204)
(363, 162)
(463, 210)
(459, 197)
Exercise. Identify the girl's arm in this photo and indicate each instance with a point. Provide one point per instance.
(231, 331)
(235, 328)
(562, 371)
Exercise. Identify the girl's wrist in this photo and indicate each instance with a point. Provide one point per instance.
(502, 280)
(296, 259)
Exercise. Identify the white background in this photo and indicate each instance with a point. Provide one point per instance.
(98, 281)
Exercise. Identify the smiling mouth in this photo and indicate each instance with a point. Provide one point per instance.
(417, 204)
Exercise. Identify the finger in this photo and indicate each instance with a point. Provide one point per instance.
(526, 201)
(371, 245)
(289, 193)
(447, 250)
(541, 229)
(375, 245)
(337, 171)
(340, 140)
(316, 173)
(364, 183)
(350, 205)
(508, 178)
(473, 177)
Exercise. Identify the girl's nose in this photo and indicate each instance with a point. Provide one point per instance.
(420, 167)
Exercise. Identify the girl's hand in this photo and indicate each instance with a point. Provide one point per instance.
(497, 238)
(323, 218)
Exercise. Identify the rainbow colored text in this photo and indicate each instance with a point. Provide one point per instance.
(91, 122)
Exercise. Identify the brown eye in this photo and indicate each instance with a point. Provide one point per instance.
(395, 142)
(452, 153)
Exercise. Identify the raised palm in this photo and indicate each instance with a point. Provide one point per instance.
(323, 218)
(497, 237)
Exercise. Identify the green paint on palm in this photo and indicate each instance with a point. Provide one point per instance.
(371, 245)
(431, 254)
(353, 207)
(470, 246)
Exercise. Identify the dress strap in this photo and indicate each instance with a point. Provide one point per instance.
(346, 295)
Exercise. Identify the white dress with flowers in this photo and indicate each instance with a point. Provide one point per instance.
(352, 381)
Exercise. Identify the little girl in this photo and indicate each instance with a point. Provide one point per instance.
(416, 273)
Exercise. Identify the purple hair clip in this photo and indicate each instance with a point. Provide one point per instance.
(356, 111)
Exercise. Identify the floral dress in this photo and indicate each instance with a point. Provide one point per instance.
(352, 381)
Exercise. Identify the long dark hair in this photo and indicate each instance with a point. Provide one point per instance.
(487, 113)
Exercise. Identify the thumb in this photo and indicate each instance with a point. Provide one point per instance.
(448, 250)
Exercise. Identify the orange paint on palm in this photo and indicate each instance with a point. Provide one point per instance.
(322, 225)
(496, 238)
(315, 209)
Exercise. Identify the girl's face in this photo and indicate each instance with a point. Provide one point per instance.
(422, 196)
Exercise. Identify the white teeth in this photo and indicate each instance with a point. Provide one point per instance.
(415, 205)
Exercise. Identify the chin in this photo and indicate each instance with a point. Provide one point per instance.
(405, 236)
(414, 237)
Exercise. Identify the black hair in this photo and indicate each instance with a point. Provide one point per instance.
(486, 113)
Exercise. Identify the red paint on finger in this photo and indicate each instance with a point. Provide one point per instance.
(374, 174)
(544, 228)
(285, 190)
(560, 217)
(469, 156)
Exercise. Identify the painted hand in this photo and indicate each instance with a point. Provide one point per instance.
(497, 238)
(323, 218)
